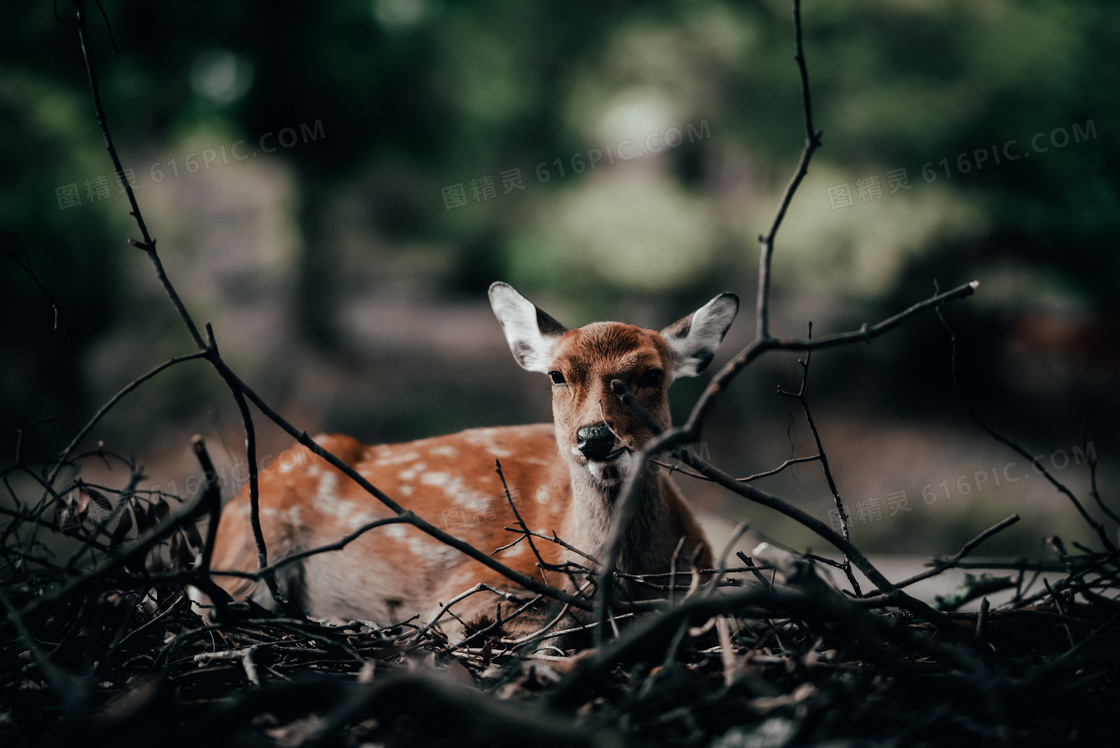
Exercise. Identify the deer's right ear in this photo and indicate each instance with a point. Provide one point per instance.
(695, 338)
(531, 333)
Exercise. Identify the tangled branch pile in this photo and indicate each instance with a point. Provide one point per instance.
(769, 653)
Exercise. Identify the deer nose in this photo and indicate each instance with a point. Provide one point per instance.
(596, 442)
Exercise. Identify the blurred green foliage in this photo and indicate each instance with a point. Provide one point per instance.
(418, 96)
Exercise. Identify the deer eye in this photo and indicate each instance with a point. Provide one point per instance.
(557, 377)
(651, 379)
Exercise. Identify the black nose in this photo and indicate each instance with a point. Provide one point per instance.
(595, 442)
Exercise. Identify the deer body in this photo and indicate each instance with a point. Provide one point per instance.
(563, 478)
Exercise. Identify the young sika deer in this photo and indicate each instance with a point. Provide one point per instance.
(564, 478)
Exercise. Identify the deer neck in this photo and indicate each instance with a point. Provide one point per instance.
(595, 505)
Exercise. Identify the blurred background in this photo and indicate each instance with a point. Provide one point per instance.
(335, 185)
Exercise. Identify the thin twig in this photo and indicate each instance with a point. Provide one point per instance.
(337, 545)
(102, 526)
(774, 471)
(64, 456)
(1095, 492)
(20, 257)
(760, 346)
(499, 624)
(942, 565)
(445, 608)
(251, 460)
(1036, 462)
(846, 566)
(212, 498)
(148, 244)
(754, 569)
(721, 564)
(624, 509)
(541, 563)
(812, 143)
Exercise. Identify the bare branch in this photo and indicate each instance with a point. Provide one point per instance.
(19, 256)
(1035, 461)
(812, 143)
(721, 564)
(212, 498)
(846, 567)
(445, 607)
(251, 459)
(337, 545)
(775, 471)
(148, 244)
(941, 565)
(524, 528)
(64, 456)
(760, 346)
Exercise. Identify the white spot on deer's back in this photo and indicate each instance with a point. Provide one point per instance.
(327, 485)
(445, 451)
(484, 438)
(454, 488)
(436, 479)
(386, 457)
(412, 472)
(327, 499)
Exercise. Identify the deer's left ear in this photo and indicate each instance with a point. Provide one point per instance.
(530, 332)
(695, 338)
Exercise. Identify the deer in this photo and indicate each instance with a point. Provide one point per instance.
(560, 480)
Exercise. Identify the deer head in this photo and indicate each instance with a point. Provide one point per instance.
(596, 434)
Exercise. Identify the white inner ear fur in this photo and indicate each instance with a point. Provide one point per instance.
(696, 338)
(519, 319)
